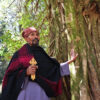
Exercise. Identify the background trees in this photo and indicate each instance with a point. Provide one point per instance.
(64, 25)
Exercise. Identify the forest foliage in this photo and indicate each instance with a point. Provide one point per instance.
(63, 25)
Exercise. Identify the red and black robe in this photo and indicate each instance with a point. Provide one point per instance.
(47, 75)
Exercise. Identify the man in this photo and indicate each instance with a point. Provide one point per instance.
(47, 72)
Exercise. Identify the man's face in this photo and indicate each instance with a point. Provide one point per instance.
(33, 38)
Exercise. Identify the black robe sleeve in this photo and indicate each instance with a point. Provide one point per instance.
(13, 79)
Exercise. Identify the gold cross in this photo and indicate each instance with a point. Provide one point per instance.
(33, 62)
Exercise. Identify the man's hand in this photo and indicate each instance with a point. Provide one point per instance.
(73, 56)
(31, 70)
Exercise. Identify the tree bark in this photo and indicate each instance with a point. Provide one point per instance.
(58, 39)
(87, 18)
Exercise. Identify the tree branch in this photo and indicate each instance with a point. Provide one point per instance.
(11, 3)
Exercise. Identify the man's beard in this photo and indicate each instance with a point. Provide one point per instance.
(35, 42)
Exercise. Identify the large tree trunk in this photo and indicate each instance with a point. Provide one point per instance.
(87, 20)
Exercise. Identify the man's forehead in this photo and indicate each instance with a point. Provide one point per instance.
(34, 32)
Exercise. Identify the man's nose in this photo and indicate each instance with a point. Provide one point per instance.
(36, 36)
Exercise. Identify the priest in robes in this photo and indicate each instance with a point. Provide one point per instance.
(18, 83)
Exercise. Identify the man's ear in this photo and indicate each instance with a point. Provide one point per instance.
(39, 38)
